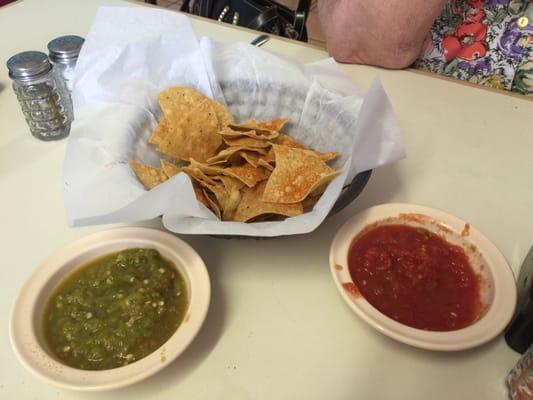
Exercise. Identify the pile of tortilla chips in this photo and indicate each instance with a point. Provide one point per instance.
(242, 172)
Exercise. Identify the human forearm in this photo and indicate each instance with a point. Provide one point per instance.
(387, 33)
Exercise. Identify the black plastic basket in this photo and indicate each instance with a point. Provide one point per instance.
(351, 191)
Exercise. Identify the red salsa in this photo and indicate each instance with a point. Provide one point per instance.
(415, 277)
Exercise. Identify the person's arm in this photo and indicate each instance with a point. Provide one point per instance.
(388, 33)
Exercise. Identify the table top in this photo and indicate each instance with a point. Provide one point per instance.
(277, 327)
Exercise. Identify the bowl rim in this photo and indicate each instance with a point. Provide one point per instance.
(22, 326)
(497, 315)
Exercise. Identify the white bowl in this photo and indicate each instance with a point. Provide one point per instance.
(27, 314)
(498, 287)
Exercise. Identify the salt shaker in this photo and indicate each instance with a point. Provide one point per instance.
(42, 95)
(63, 52)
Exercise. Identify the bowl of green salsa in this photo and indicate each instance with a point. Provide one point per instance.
(110, 309)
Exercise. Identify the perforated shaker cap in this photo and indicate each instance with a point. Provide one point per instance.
(28, 64)
(65, 49)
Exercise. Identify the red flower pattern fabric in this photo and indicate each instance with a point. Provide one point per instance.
(489, 42)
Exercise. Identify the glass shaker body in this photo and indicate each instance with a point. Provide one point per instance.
(63, 52)
(65, 72)
(42, 95)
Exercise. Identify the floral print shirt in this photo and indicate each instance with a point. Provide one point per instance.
(489, 42)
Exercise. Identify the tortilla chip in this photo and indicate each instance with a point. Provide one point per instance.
(213, 205)
(249, 124)
(250, 157)
(328, 156)
(223, 114)
(289, 141)
(252, 128)
(225, 155)
(270, 157)
(191, 134)
(252, 206)
(170, 169)
(265, 164)
(321, 185)
(231, 184)
(233, 198)
(309, 203)
(214, 172)
(197, 174)
(177, 103)
(227, 200)
(247, 174)
(296, 174)
(225, 189)
(229, 133)
(149, 176)
(199, 192)
(274, 125)
(230, 205)
(219, 163)
(246, 141)
(179, 99)
(159, 133)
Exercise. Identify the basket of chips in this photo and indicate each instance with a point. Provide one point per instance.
(215, 139)
(244, 172)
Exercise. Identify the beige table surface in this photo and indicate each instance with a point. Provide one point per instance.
(277, 328)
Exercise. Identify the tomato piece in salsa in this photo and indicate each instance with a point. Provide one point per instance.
(415, 277)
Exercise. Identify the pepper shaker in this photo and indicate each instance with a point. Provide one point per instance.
(63, 52)
(42, 95)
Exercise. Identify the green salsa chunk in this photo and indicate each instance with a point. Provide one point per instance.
(115, 310)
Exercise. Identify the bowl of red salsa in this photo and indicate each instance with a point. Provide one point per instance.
(423, 277)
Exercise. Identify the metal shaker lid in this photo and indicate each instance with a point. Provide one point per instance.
(28, 64)
(65, 49)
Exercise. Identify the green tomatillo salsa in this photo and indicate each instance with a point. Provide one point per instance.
(115, 310)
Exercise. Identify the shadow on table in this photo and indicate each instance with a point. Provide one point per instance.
(2, 87)
(385, 185)
(430, 356)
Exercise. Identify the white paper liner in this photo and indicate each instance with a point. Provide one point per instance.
(125, 63)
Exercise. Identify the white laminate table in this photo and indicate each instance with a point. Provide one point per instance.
(277, 328)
